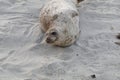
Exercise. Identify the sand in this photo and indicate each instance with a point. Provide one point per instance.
(22, 57)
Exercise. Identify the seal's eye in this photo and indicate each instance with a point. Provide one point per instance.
(54, 33)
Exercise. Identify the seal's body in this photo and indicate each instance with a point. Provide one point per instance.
(59, 20)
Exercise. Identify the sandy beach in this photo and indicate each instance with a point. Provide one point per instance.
(22, 57)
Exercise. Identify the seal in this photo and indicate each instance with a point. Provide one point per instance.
(59, 20)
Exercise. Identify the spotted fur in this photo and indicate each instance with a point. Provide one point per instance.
(62, 16)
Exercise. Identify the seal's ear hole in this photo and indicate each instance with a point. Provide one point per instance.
(78, 1)
(55, 17)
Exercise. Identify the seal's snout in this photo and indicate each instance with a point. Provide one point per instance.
(49, 40)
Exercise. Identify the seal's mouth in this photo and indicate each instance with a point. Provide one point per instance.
(51, 40)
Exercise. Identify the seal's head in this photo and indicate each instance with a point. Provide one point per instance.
(58, 37)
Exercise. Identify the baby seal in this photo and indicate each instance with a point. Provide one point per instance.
(59, 20)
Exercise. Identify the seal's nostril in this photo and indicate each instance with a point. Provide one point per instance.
(48, 40)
